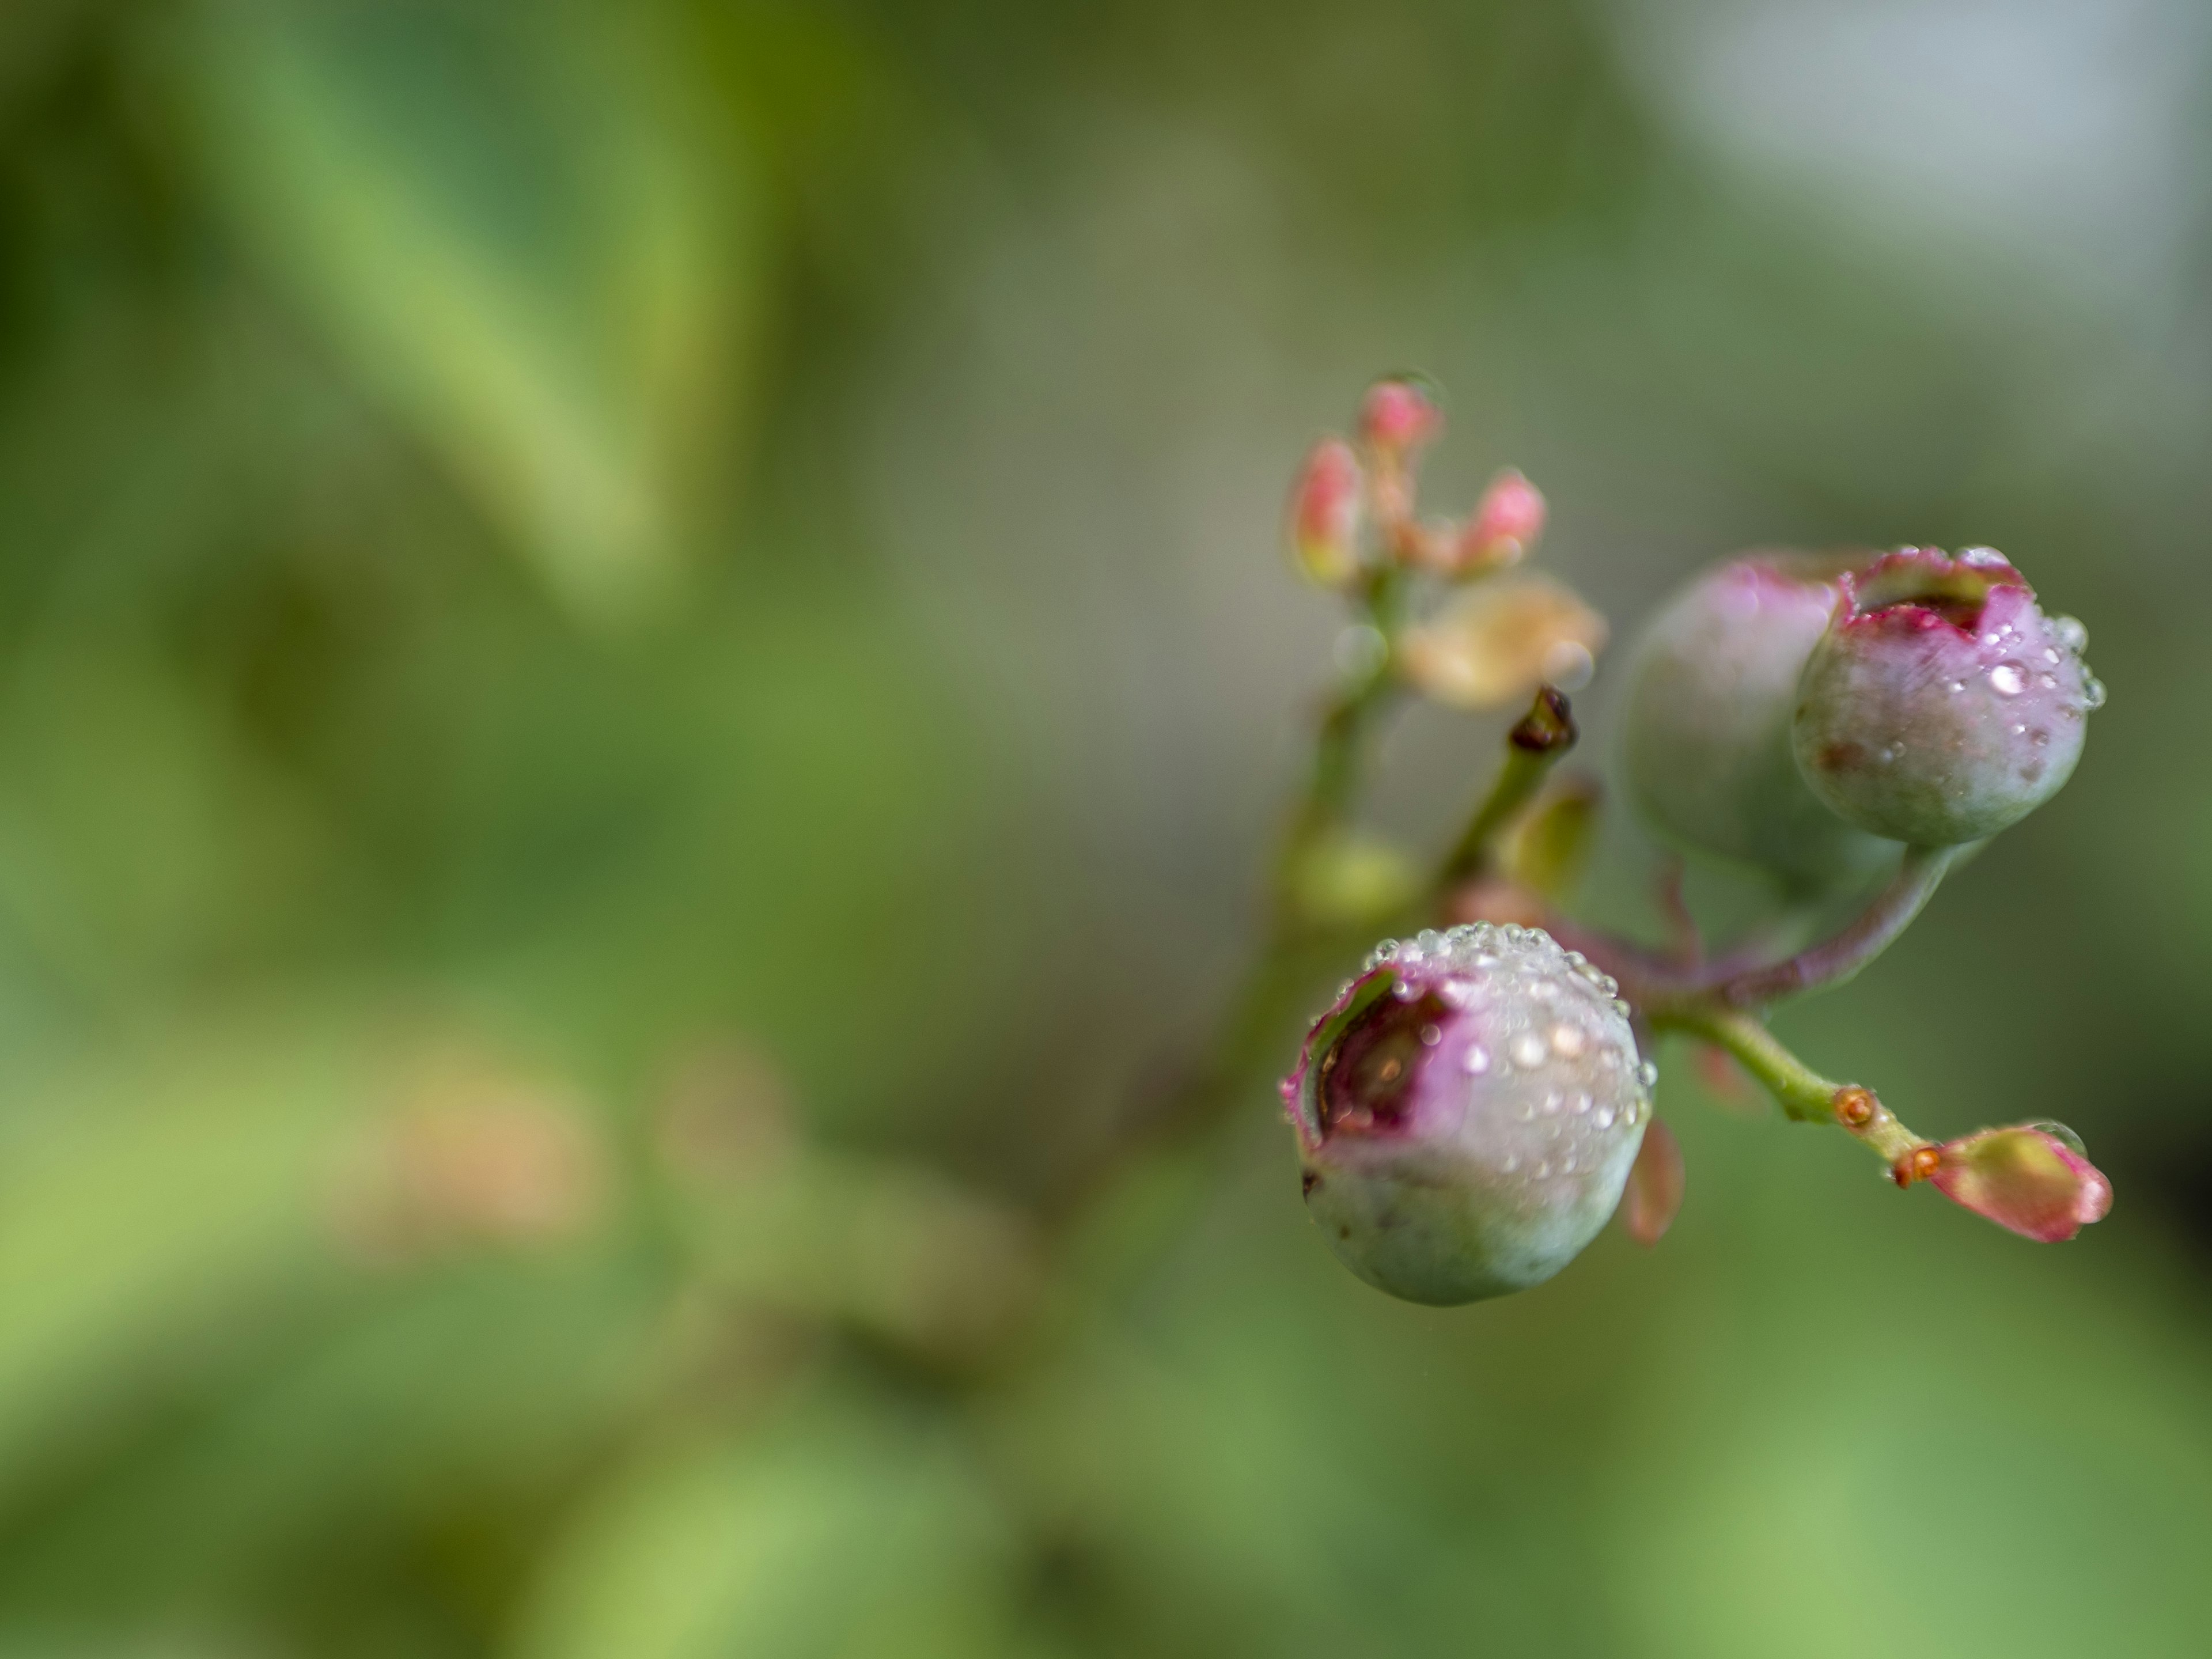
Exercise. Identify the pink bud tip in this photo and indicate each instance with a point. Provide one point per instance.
(1505, 524)
(1398, 417)
(2029, 1177)
(1325, 510)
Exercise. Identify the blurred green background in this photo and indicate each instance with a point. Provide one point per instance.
(643, 677)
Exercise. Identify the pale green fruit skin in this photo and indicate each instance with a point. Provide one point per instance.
(1706, 741)
(1494, 1180)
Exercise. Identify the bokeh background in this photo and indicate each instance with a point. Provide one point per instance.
(644, 675)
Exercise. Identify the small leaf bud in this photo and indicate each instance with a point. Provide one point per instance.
(1706, 739)
(1325, 513)
(1495, 643)
(1467, 1113)
(1654, 1195)
(2034, 1178)
(1942, 705)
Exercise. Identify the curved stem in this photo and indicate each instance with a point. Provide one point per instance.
(1837, 958)
(1533, 746)
(1803, 1093)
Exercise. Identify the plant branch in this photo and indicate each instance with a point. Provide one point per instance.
(1803, 1093)
(1533, 746)
(1840, 957)
(1347, 722)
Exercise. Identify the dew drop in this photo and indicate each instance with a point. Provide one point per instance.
(1527, 1050)
(1647, 1072)
(2006, 680)
(2070, 632)
(1628, 1114)
(1982, 557)
(1567, 1041)
(1431, 1035)
(1581, 1104)
(1511, 1165)
(1603, 1118)
(1543, 1169)
(1552, 1102)
(1567, 1167)
(1476, 1060)
(2093, 693)
(1405, 990)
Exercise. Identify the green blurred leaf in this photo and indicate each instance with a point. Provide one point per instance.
(829, 1535)
(154, 1207)
(524, 233)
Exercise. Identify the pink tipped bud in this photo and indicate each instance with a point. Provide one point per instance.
(1653, 1194)
(1325, 513)
(1504, 525)
(2031, 1178)
(1399, 418)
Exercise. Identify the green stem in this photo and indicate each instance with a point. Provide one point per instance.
(1533, 747)
(1803, 1093)
(1340, 761)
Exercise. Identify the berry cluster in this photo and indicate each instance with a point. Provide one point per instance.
(1477, 1103)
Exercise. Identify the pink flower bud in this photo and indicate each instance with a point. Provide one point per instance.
(2031, 1177)
(1942, 705)
(1325, 513)
(1398, 418)
(1504, 525)
(1467, 1112)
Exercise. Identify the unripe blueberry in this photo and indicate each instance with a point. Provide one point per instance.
(1941, 704)
(1467, 1113)
(1706, 741)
